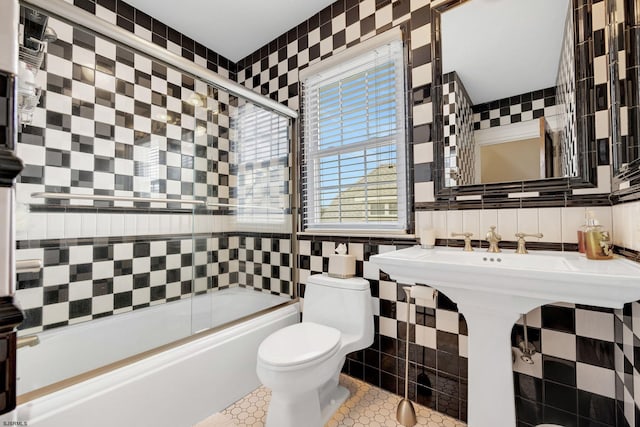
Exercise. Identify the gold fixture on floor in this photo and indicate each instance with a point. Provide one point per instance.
(406, 414)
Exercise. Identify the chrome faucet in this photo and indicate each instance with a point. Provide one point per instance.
(493, 238)
(522, 249)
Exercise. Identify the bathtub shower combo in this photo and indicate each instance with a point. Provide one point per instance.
(154, 230)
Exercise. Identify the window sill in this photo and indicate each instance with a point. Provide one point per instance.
(385, 234)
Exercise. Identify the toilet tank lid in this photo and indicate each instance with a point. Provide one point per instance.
(356, 283)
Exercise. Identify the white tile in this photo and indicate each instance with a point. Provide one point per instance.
(55, 313)
(488, 218)
(594, 324)
(528, 222)
(440, 224)
(454, 222)
(596, 380)
(55, 275)
(103, 270)
(72, 225)
(388, 327)
(117, 225)
(55, 226)
(507, 225)
(572, 219)
(328, 248)
(80, 255)
(103, 303)
(550, 224)
(142, 265)
(130, 225)
(388, 290)
(423, 152)
(173, 261)
(89, 225)
(559, 344)
(370, 270)
(356, 249)
(304, 247)
(29, 298)
(425, 336)
(471, 223)
(422, 114)
(421, 75)
(447, 321)
(80, 290)
(316, 265)
(424, 192)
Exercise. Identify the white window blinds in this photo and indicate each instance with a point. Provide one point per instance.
(354, 143)
(262, 139)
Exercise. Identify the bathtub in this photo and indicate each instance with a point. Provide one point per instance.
(177, 387)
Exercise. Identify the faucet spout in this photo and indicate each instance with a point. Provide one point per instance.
(493, 238)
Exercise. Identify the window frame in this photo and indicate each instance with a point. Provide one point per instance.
(309, 178)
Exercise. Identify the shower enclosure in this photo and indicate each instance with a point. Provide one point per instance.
(156, 195)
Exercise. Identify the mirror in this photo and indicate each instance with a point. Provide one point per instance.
(624, 23)
(506, 91)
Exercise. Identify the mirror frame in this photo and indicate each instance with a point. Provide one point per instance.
(555, 188)
(626, 182)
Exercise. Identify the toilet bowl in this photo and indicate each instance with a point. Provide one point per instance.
(301, 363)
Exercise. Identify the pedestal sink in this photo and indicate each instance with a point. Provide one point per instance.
(493, 290)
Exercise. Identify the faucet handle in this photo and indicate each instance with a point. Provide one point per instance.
(522, 249)
(467, 240)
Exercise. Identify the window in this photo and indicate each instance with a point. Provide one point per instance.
(263, 164)
(354, 174)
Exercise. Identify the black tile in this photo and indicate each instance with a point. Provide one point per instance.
(597, 408)
(141, 249)
(527, 387)
(446, 341)
(559, 318)
(559, 370)
(102, 287)
(595, 352)
(122, 299)
(80, 308)
(560, 396)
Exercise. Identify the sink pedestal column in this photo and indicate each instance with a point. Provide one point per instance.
(491, 398)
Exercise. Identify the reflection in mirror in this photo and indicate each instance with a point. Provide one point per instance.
(508, 92)
(624, 65)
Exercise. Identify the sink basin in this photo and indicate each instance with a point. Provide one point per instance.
(545, 276)
(492, 291)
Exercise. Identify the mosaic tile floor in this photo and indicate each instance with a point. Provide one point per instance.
(368, 406)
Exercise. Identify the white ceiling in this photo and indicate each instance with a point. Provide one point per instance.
(502, 48)
(232, 28)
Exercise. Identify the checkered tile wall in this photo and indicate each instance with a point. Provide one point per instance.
(574, 341)
(459, 153)
(519, 108)
(559, 387)
(113, 122)
(128, 126)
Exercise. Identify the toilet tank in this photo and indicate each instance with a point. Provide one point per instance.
(344, 304)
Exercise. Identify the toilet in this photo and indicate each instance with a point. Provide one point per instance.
(301, 363)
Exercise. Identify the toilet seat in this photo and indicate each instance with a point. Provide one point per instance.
(298, 345)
